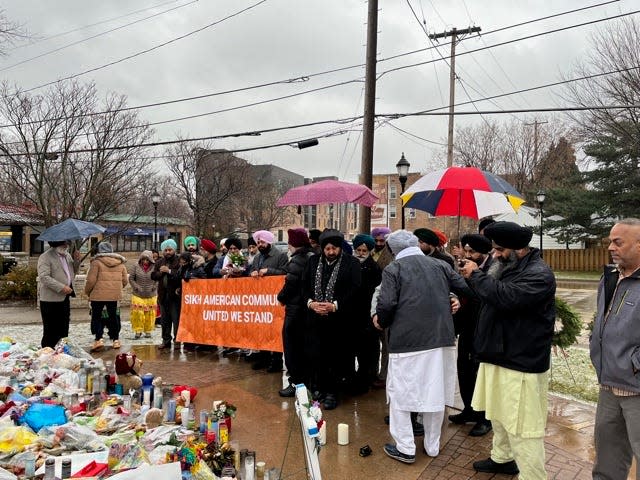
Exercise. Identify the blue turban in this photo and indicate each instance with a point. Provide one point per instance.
(169, 243)
(363, 238)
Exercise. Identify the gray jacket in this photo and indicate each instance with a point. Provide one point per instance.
(52, 277)
(615, 340)
(414, 303)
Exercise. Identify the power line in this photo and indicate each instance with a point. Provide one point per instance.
(388, 116)
(307, 77)
(142, 52)
(50, 37)
(95, 36)
(507, 42)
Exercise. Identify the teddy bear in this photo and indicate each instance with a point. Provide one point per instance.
(127, 367)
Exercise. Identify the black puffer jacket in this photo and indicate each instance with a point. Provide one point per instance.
(291, 293)
(168, 283)
(517, 316)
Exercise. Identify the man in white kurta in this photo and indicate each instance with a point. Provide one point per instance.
(414, 304)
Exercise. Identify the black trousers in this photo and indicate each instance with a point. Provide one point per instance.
(55, 321)
(467, 369)
(98, 323)
(293, 342)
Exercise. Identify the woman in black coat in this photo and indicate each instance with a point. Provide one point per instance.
(295, 311)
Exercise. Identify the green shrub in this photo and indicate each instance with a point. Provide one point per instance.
(19, 284)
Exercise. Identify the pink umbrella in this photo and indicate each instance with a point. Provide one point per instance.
(329, 191)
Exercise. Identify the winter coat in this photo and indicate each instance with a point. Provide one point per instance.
(415, 305)
(106, 278)
(275, 262)
(142, 285)
(517, 316)
(168, 283)
(615, 341)
(291, 292)
(51, 276)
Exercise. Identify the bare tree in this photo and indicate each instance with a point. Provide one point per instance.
(479, 146)
(213, 183)
(613, 58)
(10, 31)
(514, 150)
(67, 160)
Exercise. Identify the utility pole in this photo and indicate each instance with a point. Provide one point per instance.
(366, 164)
(535, 139)
(454, 33)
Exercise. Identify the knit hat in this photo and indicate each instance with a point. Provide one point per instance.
(186, 256)
(263, 235)
(334, 237)
(477, 242)
(233, 241)
(298, 237)
(169, 243)
(54, 244)
(192, 241)
(250, 241)
(363, 238)
(401, 239)
(208, 245)
(376, 232)
(509, 235)
(427, 236)
(105, 247)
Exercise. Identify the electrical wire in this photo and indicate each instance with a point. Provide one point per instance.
(388, 116)
(8, 67)
(303, 78)
(155, 47)
(56, 35)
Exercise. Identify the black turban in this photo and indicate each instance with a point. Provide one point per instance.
(233, 241)
(509, 235)
(484, 223)
(427, 236)
(334, 237)
(479, 243)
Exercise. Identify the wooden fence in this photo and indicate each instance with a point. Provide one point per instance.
(583, 260)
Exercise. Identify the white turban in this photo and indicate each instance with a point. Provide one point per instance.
(401, 239)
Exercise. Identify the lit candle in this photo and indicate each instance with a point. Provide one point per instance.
(343, 434)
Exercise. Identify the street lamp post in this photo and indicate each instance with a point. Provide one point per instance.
(403, 171)
(540, 196)
(155, 198)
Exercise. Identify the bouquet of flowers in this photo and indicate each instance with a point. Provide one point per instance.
(237, 260)
(223, 409)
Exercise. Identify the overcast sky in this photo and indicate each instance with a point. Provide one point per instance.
(276, 40)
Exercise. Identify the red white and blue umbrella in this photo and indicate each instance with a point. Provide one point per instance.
(462, 192)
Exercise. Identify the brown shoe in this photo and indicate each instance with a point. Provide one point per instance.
(116, 344)
(97, 345)
(164, 346)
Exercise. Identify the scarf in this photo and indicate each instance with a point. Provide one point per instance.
(331, 284)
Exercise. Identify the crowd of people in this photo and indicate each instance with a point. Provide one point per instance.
(389, 310)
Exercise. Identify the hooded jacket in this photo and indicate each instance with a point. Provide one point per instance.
(142, 285)
(106, 278)
(615, 341)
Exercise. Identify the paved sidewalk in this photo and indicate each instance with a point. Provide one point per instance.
(264, 420)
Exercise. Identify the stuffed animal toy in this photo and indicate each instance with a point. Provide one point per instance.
(127, 367)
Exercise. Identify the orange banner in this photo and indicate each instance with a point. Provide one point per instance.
(233, 312)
